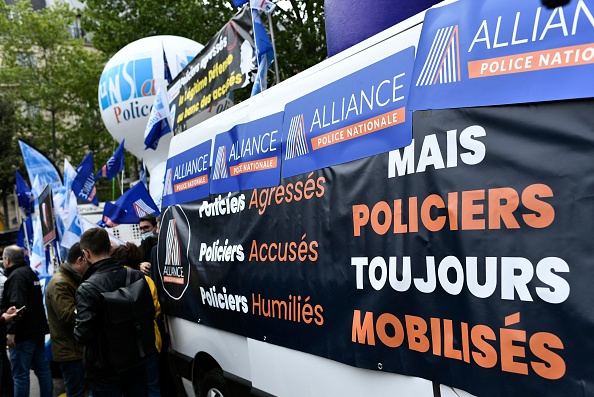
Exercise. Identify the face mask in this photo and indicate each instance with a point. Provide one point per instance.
(147, 234)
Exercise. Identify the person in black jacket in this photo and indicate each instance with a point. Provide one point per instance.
(104, 274)
(25, 337)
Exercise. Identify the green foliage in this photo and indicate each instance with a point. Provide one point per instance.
(116, 23)
(299, 31)
(11, 154)
(300, 36)
(54, 78)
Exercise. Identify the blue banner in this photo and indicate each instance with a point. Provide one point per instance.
(480, 53)
(41, 167)
(360, 115)
(114, 165)
(83, 184)
(248, 156)
(131, 206)
(187, 175)
(24, 195)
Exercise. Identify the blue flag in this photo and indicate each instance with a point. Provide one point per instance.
(83, 184)
(24, 195)
(143, 173)
(264, 52)
(41, 167)
(114, 165)
(25, 235)
(132, 205)
(73, 224)
(158, 123)
(239, 3)
(168, 75)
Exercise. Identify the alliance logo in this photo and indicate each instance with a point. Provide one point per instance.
(173, 264)
(168, 188)
(220, 169)
(172, 254)
(296, 138)
(443, 62)
(141, 208)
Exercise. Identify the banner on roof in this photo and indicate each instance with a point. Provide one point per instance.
(464, 258)
(362, 114)
(248, 156)
(478, 53)
(226, 63)
(187, 175)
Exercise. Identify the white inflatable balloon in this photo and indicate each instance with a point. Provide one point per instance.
(127, 88)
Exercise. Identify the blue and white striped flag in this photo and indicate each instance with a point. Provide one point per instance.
(158, 123)
(73, 224)
(264, 49)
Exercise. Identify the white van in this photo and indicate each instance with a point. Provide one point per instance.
(452, 264)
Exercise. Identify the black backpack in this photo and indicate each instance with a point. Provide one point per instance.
(128, 324)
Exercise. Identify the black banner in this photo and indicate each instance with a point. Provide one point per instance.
(464, 258)
(226, 63)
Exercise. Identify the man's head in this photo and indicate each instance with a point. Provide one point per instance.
(13, 256)
(147, 225)
(95, 245)
(75, 259)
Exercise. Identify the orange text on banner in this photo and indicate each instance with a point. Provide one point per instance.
(538, 60)
(174, 280)
(253, 166)
(199, 181)
(359, 129)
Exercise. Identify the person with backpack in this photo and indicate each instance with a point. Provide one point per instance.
(114, 321)
(130, 256)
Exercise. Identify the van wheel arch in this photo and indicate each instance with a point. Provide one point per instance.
(208, 375)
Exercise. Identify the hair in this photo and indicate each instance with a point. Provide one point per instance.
(146, 246)
(96, 240)
(149, 218)
(74, 253)
(15, 254)
(129, 254)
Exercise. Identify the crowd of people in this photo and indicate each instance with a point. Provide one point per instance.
(96, 302)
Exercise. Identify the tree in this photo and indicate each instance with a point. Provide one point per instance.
(11, 154)
(55, 78)
(300, 36)
(116, 23)
(299, 30)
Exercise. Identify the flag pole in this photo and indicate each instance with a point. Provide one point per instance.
(26, 232)
(277, 76)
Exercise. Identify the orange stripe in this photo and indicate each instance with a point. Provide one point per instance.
(199, 181)
(254, 166)
(173, 280)
(359, 129)
(530, 61)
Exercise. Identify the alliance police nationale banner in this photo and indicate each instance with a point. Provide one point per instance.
(478, 53)
(464, 258)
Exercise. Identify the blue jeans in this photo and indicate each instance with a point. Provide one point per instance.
(25, 355)
(152, 376)
(74, 378)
